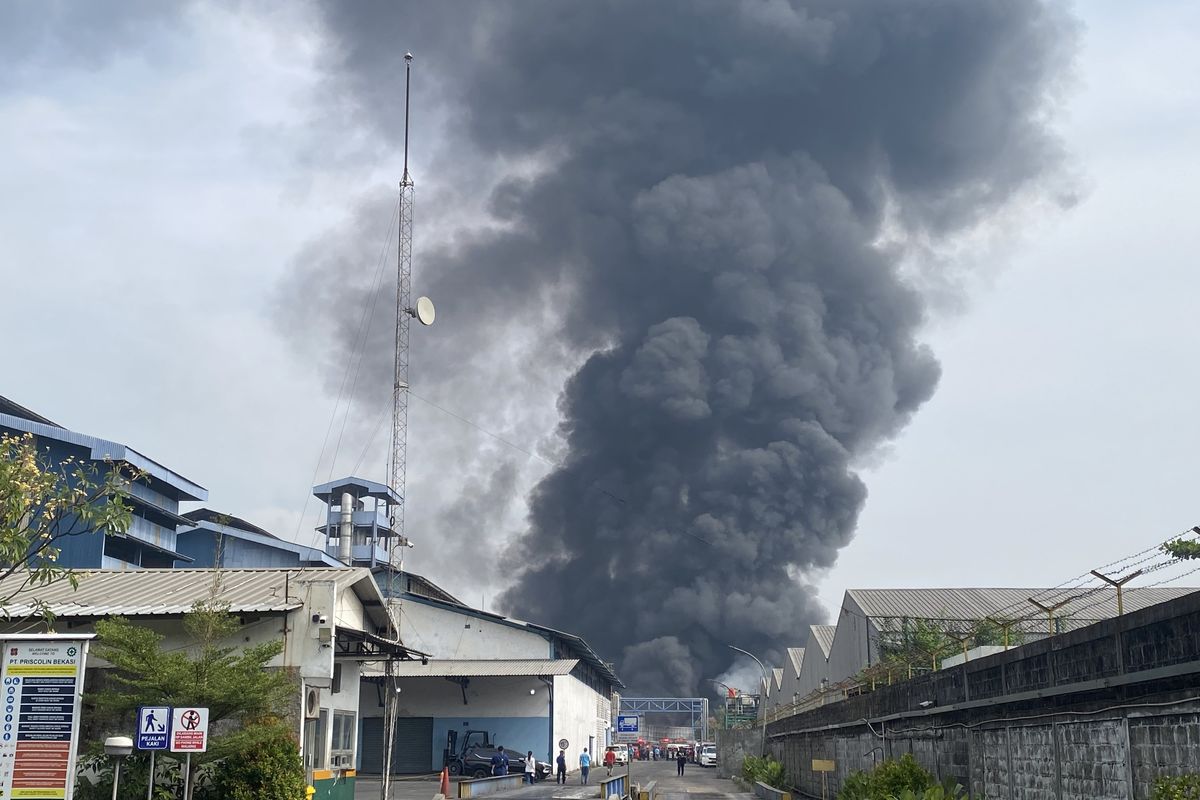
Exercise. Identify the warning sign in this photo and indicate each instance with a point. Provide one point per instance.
(189, 730)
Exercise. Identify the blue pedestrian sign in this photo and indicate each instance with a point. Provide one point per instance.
(627, 723)
(154, 727)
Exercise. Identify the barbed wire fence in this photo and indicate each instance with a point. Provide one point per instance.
(913, 644)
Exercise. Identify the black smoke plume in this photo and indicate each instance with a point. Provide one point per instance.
(722, 197)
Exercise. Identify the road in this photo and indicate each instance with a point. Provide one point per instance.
(697, 783)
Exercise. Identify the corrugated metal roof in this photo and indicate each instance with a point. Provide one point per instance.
(823, 634)
(796, 656)
(152, 592)
(973, 604)
(102, 450)
(777, 673)
(479, 668)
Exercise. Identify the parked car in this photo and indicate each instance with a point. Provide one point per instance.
(478, 763)
(708, 755)
(620, 751)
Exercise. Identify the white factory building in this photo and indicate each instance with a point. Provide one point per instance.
(527, 685)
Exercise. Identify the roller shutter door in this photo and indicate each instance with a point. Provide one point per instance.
(412, 751)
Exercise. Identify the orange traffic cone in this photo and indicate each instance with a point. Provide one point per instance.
(445, 790)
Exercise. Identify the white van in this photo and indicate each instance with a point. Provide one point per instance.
(708, 755)
(620, 752)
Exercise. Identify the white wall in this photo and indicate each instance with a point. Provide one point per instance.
(491, 696)
(445, 633)
(579, 712)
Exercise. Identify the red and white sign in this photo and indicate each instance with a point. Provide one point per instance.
(189, 730)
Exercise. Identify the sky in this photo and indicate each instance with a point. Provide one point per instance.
(192, 194)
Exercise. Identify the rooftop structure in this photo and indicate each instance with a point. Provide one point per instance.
(373, 536)
(155, 495)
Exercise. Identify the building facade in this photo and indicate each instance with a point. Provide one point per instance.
(155, 495)
(328, 619)
(527, 686)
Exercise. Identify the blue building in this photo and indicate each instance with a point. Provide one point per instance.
(155, 496)
(212, 539)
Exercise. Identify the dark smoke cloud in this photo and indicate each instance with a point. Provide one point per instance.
(713, 183)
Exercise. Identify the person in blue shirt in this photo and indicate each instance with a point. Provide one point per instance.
(585, 764)
(500, 762)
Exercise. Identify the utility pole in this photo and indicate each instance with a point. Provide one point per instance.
(762, 701)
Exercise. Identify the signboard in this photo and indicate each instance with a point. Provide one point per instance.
(42, 682)
(189, 730)
(153, 727)
(627, 723)
(822, 765)
(563, 744)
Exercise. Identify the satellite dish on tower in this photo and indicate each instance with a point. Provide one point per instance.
(424, 312)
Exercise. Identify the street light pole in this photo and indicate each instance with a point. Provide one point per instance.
(762, 698)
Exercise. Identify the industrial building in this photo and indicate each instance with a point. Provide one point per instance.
(868, 618)
(526, 685)
(329, 619)
(155, 495)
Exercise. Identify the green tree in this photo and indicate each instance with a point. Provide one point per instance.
(235, 684)
(1182, 548)
(43, 502)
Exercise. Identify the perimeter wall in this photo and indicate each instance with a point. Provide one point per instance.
(1095, 714)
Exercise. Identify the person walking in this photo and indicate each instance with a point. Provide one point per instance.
(585, 764)
(561, 764)
(530, 768)
(610, 758)
(680, 760)
(499, 762)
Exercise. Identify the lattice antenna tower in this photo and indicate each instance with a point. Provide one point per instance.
(399, 457)
(406, 310)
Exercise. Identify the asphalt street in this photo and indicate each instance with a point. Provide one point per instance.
(697, 783)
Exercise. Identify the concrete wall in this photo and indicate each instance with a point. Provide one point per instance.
(1096, 713)
(732, 748)
(580, 715)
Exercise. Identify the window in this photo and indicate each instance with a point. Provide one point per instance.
(341, 751)
(314, 741)
(336, 685)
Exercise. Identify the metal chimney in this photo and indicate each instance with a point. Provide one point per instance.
(346, 529)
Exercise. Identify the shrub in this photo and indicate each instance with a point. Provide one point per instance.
(94, 777)
(270, 769)
(1183, 787)
(767, 770)
(890, 780)
(944, 792)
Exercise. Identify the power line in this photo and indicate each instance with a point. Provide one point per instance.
(341, 392)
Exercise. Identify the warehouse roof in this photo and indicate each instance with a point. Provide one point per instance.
(169, 592)
(973, 604)
(823, 635)
(796, 656)
(479, 668)
(164, 479)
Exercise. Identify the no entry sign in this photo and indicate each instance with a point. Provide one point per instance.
(189, 730)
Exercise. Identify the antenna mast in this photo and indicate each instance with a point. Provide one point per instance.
(399, 457)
